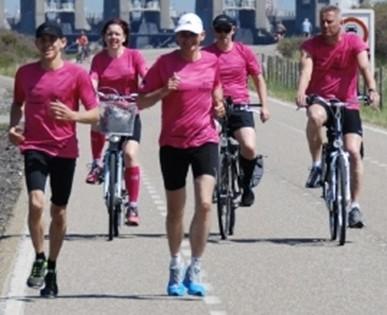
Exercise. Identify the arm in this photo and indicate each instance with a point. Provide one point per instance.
(217, 96)
(261, 88)
(15, 134)
(306, 63)
(146, 100)
(60, 111)
(364, 67)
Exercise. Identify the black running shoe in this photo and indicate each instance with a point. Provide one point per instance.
(36, 278)
(355, 219)
(247, 198)
(314, 179)
(50, 289)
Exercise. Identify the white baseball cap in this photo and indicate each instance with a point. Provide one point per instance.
(189, 22)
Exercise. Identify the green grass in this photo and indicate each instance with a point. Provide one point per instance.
(368, 115)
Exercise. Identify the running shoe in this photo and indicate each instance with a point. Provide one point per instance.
(95, 174)
(132, 217)
(355, 219)
(36, 278)
(314, 179)
(175, 286)
(193, 283)
(50, 289)
(247, 198)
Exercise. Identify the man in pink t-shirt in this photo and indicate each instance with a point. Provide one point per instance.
(47, 93)
(237, 63)
(187, 83)
(329, 65)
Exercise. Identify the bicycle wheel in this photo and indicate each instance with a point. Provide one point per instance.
(111, 195)
(236, 183)
(224, 198)
(342, 199)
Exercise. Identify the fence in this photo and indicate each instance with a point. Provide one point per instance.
(285, 72)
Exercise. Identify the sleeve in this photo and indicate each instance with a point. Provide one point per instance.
(94, 68)
(358, 44)
(140, 64)
(153, 79)
(18, 91)
(253, 66)
(86, 91)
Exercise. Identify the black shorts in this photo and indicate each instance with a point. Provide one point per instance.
(239, 119)
(350, 119)
(136, 131)
(38, 165)
(175, 162)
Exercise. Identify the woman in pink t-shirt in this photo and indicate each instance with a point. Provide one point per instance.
(120, 68)
(47, 93)
(237, 63)
(187, 83)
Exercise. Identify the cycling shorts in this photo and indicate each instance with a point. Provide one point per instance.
(239, 119)
(38, 165)
(175, 162)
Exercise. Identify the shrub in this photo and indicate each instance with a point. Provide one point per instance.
(289, 47)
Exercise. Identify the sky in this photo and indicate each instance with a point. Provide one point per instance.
(180, 5)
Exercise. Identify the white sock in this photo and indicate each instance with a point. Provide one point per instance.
(196, 263)
(316, 164)
(355, 204)
(175, 261)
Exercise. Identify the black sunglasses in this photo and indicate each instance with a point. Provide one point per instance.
(187, 34)
(223, 29)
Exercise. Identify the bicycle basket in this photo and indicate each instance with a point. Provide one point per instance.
(258, 171)
(117, 119)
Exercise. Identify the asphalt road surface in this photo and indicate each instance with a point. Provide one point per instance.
(280, 260)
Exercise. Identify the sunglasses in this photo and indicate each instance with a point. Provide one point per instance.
(223, 29)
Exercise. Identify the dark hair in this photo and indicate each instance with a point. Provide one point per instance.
(124, 25)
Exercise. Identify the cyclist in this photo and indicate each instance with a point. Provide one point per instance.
(120, 68)
(329, 65)
(237, 63)
(186, 81)
(83, 45)
(48, 93)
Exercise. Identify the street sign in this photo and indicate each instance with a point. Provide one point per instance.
(362, 23)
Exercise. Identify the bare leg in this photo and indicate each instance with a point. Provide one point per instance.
(316, 119)
(57, 230)
(35, 219)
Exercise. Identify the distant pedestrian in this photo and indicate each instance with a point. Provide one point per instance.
(306, 28)
(280, 30)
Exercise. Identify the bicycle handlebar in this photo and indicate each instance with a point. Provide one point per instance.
(311, 99)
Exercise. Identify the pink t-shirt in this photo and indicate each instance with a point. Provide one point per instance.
(36, 87)
(335, 67)
(235, 67)
(121, 73)
(187, 114)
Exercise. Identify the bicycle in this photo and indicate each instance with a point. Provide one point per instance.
(117, 121)
(229, 174)
(335, 170)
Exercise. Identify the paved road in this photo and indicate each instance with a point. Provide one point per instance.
(280, 260)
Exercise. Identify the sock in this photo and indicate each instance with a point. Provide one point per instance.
(51, 265)
(248, 168)
(175, 261)
(196, 263)
(40, 256)
(355, 204)
(316, 164)
(97, 144)
(132, 182)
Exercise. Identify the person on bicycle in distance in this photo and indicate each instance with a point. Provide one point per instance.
(48, 92)
(329, 65)
(83, 44)
(237, 63)
(187, 83)
(120, 68)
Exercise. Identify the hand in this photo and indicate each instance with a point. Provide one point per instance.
(173, 82)
(60, 111)
(264, 114)
(219, 109)
(374, 100)
(301, 99)
(15, 135)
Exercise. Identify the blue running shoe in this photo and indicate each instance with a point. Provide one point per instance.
(192, 282)
(175, 286)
